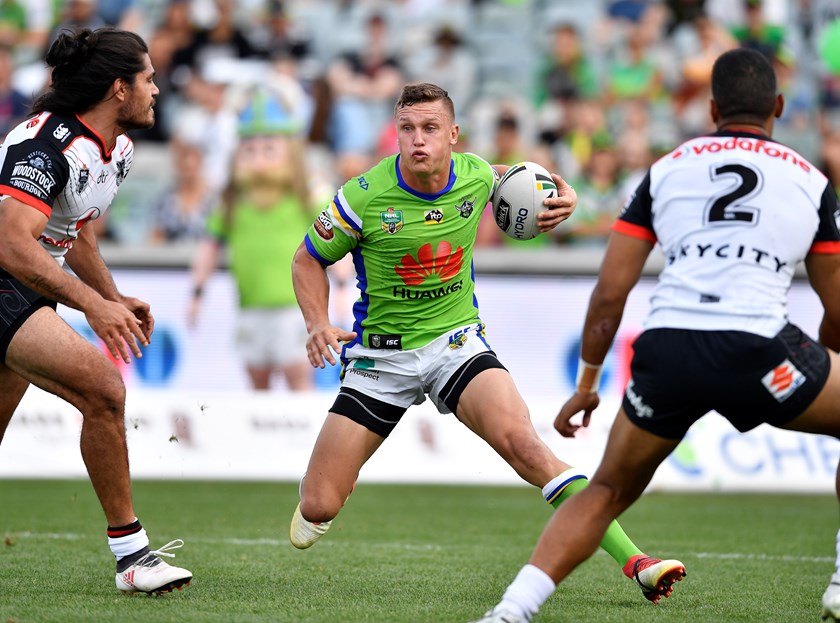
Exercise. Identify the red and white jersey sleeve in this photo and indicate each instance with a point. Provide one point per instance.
(734, 213)
(58, 165)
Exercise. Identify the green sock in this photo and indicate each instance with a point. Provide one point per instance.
(616, 543)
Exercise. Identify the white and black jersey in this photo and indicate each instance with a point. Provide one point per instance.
(62, 167)
(734, 212)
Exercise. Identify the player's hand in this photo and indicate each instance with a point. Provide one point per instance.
(143, 312)
(559, 208)
(574, 405)
(321, 340)
(118, 327)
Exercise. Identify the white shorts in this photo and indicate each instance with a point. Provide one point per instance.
(404, 377)
(271, 337)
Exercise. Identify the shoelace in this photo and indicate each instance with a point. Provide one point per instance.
(152, 558)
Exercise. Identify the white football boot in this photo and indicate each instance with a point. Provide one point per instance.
(831, 600)
(304, 533)
(502, 616)
(149, 574)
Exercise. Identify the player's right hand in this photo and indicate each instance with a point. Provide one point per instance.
(118, 327)
(574, 405)
(321, 340)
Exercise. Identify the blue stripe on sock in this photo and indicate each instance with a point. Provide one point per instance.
(559, 488)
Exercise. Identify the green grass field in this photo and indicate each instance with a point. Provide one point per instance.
(403, 554)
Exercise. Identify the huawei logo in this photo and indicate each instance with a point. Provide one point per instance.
(443, 263)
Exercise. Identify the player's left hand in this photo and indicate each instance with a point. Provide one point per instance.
(559, 208)
(574, 405)
(143, 312)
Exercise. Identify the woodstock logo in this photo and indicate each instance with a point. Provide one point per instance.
(443, 262)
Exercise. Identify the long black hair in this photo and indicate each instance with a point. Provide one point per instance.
(85, 65)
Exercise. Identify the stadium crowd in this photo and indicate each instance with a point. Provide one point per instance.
(595, 90)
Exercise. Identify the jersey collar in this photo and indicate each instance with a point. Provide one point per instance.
(93, 135)
(425, 196)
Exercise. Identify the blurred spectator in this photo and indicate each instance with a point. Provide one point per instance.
(265, 216)
(75, 15)
(708, 40)
(634, 158)
(14, 105)
(124, 14)
(448, 64)
(223, 39)
(206, 118)
(278, 34)
(363, 86)
(757, 33)
(180, 213)
(565, 72)
(571, 144)
(830, 151)
(599, 200)
(632, 71)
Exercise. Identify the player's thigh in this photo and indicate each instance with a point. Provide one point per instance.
(630, 459)
(47, 352)
(823, 415)
(492, 407)
(341, 449)
(12, 388)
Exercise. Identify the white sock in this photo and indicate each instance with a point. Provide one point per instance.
(837, 560)
(556, 485)
(527, 592)
(126, 545)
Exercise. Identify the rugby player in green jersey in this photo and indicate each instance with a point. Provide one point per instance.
(410, 224)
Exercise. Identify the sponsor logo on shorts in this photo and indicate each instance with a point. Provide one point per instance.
(324, 227)
(783, 380)
(372, 375)
(458, 339)
(642, 409)
(433, 217)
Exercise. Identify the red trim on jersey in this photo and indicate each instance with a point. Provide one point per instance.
(826, 246)
(637, 231)
(27, 199)
(102, 142)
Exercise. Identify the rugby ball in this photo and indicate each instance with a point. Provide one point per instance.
(518, 199)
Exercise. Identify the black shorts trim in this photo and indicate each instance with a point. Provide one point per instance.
(679, 375)
(17, 304)
(377, 416)
(455, 386)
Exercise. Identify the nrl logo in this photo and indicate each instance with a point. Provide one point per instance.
(81, 183)
(391, 220)
(466, 208)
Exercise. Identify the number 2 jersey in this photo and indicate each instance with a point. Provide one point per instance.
(734, 213)
(412, 251)
(61, 167)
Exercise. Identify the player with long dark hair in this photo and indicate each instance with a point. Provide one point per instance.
(59, 170)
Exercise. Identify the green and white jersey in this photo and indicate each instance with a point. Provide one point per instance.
(412, 251)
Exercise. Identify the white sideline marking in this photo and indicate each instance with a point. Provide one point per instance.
(417, 547)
